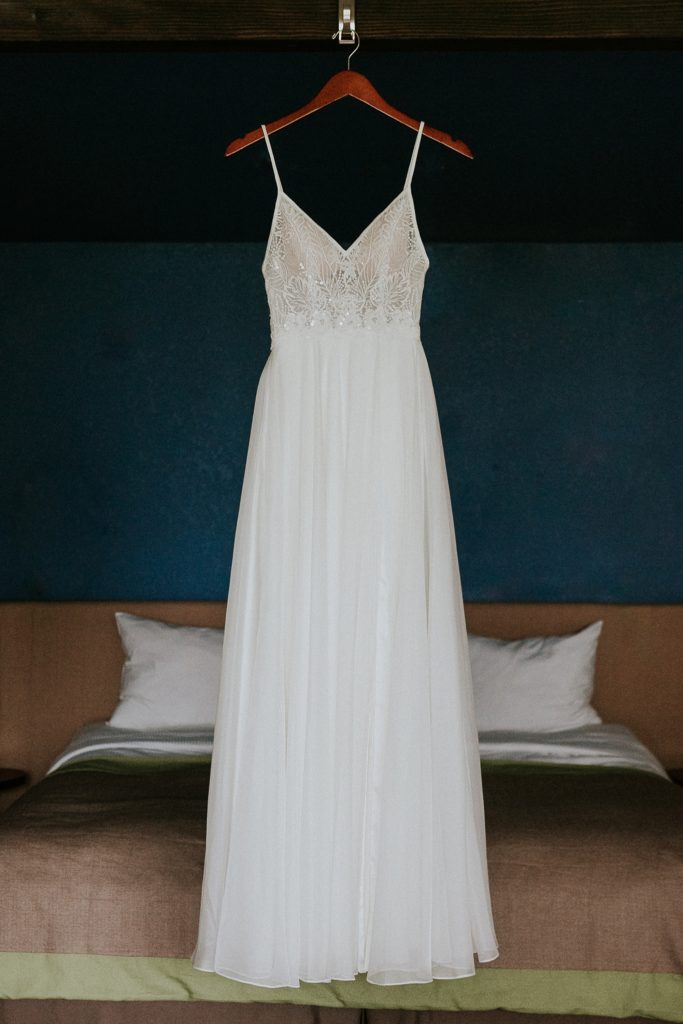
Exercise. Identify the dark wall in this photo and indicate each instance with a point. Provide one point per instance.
(568, 146)
(133, 322)
(129, 379)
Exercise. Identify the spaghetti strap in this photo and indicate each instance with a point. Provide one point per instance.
(411, 168)
(272, 158)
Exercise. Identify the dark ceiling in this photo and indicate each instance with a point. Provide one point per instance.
(569, 145)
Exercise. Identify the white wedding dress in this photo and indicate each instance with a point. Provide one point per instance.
(345, 827)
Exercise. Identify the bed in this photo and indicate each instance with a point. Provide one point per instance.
(102, 857)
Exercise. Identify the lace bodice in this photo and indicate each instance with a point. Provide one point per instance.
(314, 283)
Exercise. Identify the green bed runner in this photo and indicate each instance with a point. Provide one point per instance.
(603, 993)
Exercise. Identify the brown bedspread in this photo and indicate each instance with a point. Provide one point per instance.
(586, 867)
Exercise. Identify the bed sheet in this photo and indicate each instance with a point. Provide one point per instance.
(604, 744)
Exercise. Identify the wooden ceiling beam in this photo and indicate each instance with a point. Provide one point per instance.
(272, 21)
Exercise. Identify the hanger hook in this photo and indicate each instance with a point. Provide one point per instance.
(348, 59)
(356, 35)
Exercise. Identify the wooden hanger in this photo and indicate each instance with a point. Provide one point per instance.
(348, 83)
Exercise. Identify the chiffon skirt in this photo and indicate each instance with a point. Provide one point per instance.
(345, 827)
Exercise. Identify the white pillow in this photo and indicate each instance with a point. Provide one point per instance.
(171, 674)
(538, 683)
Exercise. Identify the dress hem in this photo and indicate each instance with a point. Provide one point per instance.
(483, 958)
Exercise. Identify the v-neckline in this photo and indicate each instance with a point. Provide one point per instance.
(345, 251)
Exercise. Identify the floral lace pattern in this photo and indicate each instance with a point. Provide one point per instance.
(313, 282)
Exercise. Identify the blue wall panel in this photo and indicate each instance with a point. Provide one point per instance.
(129, 376)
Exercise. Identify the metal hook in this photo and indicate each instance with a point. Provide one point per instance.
(346, 21)
(348, 59)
